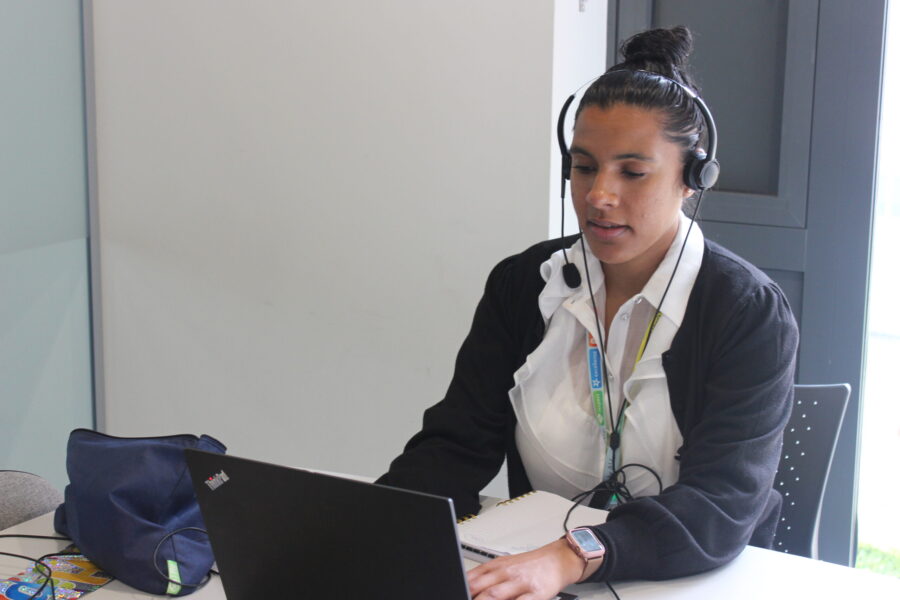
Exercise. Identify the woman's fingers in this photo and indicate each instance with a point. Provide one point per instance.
(536, 575)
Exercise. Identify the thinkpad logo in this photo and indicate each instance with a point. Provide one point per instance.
(216, 481)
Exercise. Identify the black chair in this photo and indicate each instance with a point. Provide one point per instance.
(809, 442)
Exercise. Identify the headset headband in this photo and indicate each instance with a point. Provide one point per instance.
(701, 168)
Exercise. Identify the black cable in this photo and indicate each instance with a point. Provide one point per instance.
(39, 562)
(617, 484)
(652, 472)
(677, 261)
(34, 537)
(615, 420)
(166, 577)
(174, 553)
(613, 484)
(612, 589)
(562, 220)
(48, 578)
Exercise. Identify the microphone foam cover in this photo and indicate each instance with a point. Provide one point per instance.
(571, 275)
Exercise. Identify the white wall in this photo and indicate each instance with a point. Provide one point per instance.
(298, 205)
(579, 57)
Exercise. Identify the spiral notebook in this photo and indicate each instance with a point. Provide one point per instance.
(521, 524)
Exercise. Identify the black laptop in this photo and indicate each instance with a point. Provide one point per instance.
(278, 532)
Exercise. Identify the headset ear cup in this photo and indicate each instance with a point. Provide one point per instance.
(700, 173)
(692, 168)
(709, 173)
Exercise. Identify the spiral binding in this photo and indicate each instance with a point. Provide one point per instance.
(470, 516)
(517, 498)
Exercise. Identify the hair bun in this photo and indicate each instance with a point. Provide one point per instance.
(670, 47)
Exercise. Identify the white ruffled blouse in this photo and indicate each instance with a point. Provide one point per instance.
(561, 445)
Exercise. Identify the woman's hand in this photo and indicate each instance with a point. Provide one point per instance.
(535, 575)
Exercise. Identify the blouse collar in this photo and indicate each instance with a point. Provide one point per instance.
(556, 291)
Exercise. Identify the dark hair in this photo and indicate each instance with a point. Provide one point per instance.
(634, 82)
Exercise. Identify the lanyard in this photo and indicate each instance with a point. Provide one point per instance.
(596, 364)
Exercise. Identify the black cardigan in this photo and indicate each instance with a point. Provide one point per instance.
(730, 372)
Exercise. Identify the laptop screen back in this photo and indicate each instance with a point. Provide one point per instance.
(287, 533)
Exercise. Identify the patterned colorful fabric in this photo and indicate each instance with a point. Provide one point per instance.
(73, 577)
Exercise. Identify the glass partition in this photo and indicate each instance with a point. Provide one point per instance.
(879, 527)
(45, 341)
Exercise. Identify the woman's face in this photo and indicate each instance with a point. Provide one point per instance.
(627, 186)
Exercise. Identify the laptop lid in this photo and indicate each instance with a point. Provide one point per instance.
(281, 532)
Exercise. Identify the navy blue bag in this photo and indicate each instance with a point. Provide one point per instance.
(125, 495)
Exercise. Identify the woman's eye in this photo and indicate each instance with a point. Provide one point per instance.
(632, 174)
(584, 169)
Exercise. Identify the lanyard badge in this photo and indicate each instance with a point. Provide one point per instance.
(595, 364)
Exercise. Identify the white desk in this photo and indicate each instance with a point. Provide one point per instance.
(753, 575)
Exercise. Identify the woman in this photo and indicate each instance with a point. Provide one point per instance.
(698, 350)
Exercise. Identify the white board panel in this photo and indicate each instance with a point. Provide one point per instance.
(298, 205)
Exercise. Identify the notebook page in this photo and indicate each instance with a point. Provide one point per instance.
(524, 523)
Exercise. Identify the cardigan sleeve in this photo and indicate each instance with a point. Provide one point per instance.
(744, 382)
(462, 443)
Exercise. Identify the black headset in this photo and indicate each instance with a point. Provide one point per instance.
(701, 170)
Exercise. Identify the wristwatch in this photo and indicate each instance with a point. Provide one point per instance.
(585, 543)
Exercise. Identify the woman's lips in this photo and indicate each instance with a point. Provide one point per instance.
(606, 230)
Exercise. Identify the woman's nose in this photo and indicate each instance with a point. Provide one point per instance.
(600, 193)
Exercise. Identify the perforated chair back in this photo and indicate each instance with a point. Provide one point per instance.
(809, 442)
(24, 496)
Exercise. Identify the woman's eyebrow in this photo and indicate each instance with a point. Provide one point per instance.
(626, 156)
(634, 156)
(579, 150)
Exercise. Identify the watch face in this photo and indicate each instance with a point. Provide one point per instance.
(587, 540)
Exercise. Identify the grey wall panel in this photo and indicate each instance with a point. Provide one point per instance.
(766, 247)
(807, 74)
(757, 57)
(842, 174)
(748, 91)
(789, 77)
(635, 16)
